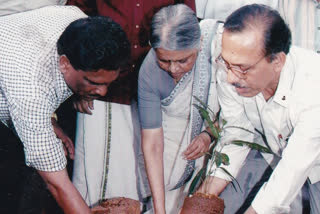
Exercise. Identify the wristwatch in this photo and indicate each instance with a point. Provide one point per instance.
(210, 135)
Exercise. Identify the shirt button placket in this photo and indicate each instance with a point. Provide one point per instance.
(318, 28)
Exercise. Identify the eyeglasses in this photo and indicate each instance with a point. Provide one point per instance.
(237, 70)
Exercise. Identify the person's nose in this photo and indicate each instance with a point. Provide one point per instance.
(174, 67)
(102, 90)
(231, 77)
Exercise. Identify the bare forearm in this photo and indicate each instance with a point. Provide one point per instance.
(153, 155)
(213, 185)
(154, 166)
(66, 195)
(250, 210)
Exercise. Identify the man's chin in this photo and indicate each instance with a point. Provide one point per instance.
(244, 92)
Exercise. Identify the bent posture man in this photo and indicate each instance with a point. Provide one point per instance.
(47, 55)
(270, 88)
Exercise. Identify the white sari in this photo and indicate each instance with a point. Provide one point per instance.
(181, 121)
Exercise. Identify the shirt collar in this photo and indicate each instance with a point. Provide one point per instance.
(282, 95)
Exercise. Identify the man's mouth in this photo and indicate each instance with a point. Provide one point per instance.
(91, 97)
(237, 85)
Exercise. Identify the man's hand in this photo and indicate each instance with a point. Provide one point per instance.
(82, 105)
(199, 146)
(250, 210)
(213, 185)
(67, 142)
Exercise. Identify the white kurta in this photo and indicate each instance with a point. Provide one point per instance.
(289, 120)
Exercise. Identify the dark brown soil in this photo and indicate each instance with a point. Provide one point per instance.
(119, 205)
(202, 204)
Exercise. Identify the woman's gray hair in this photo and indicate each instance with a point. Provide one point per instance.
(175, 27)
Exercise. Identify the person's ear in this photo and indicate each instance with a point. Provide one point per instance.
(278, 61)
(64, 64)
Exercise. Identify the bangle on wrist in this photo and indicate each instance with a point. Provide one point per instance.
(210, 135)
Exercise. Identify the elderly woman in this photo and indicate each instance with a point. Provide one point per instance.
(177, 69)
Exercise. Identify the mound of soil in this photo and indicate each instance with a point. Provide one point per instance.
(119, 205)
(202, 204)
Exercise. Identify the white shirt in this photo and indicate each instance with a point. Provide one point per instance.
(290, 122)
(31, 84)
(221, 9)
(15, 6)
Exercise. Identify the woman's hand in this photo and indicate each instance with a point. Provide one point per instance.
(199, 146)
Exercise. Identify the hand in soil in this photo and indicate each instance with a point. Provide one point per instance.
(202, 204)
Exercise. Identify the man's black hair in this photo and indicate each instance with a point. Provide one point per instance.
(277, 35)
(94, 43)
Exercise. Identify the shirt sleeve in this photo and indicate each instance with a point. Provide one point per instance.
(298, 158)
(32, 121)
(232, 111)
(149, 103)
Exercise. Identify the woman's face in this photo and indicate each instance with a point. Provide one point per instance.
(176, 63)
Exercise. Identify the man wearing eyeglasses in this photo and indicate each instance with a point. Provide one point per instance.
(268, 95)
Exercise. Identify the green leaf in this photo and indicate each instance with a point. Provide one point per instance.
(251, 145)
(203, 104)
(196, 181)
(217, 116)
(206, 117)
(266, 142)
(232, 178)
(212, 146)
(225, 159)
(218, 159)
(224, 122)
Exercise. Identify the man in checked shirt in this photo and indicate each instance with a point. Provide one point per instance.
(46, 55)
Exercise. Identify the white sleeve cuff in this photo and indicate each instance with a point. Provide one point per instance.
(220, 174)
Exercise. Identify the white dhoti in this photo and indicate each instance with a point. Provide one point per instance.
(107, 145)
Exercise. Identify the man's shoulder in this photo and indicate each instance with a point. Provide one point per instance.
(53, 11)
(306, 66)
(37, 25)
(58, 10)
(300, 55)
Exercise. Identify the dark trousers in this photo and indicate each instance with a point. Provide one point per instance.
(252, 176)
